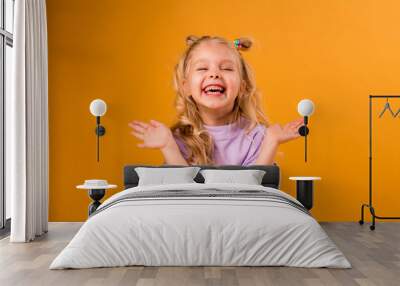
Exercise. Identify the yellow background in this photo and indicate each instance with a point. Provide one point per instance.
(333, 52)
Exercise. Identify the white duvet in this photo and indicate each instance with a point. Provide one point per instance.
(200, 231)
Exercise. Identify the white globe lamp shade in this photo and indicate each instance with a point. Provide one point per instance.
(98, 107)
(305, 107)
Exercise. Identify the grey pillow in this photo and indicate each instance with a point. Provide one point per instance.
(249, 177)
(162, 176)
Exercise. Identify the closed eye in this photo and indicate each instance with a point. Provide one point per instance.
(201, 69)
(228, 69)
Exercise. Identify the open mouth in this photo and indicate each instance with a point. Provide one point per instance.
(214, 90)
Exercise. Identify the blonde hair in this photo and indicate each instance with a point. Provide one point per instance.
(189, 127)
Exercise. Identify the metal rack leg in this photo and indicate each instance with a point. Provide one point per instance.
(374, 216)
(371, 208)
(361, 221)
(372, 211)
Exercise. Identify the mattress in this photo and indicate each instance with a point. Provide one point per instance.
(201, 225)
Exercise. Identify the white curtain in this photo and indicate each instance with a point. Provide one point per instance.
(27, 123)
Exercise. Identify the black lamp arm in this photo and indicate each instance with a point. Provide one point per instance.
(100, 131)
(303, 130)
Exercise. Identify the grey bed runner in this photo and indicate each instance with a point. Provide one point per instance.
(206, 194)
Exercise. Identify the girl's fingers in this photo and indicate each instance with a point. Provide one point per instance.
(293, 130)
(138, 135)
(297, 126)
(138, 128)
(133, 124)
(155, 123)
(298, 122)
(138, 123)
(290, 126)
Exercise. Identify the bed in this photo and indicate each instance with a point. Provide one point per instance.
(201, 224)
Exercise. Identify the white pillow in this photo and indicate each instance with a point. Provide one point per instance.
(162, 176)
(249, 177)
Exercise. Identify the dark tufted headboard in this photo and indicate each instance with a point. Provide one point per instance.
(270, 179)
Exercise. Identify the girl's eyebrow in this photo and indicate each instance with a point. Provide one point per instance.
(227, 62)
(199, 61)
(222, 62)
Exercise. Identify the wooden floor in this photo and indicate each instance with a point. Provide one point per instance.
(374, 255)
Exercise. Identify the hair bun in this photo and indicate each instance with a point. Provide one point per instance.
(190, 40)
(244, 44)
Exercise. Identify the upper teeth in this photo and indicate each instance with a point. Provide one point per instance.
(214, 88)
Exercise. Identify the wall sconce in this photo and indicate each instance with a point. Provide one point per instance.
(305, 108)
(98, 108)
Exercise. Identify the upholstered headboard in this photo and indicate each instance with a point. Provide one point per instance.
(270, 179)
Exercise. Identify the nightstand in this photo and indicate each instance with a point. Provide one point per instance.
(96, 190)
(305, 190)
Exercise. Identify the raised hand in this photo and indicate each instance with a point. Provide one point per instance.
(278, 134)
(154, 134)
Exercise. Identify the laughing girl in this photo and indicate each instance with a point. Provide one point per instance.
(220, 118)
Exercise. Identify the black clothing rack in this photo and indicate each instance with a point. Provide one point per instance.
(371, 208)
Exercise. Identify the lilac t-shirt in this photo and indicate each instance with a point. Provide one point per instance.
(232, 146)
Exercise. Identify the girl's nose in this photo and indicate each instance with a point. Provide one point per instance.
(214, 75)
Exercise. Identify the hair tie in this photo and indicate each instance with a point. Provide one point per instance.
(237, 44)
